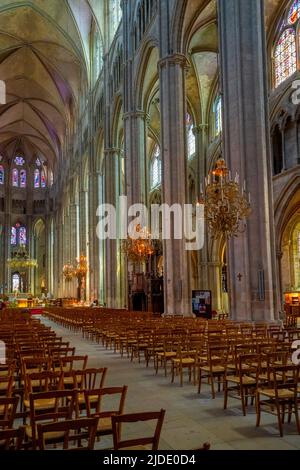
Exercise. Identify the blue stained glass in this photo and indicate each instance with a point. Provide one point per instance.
(15, 178)
(218, 115)
(22, 236)
(294, 12)
(23, 178)
(13, 236)
(37, 178)
(19, 161)
(1, 174)
(43, 181)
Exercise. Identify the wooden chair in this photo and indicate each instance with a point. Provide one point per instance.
(63, 404)
(138, 443)
(74, 430)
(242, 384)
(70, 363)
(215, 368)
(96, 407)
(279, 395)
(184, 360)
(88, 379)
(12, 439)
(8, 410)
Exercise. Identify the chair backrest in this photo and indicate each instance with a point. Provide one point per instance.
(89, 379)
(83, 429)
(153, 440)
(73, 362)
(58, 405)
(8, 409)
(13, 438)
(43, 381)
(95, 406)
(8, 383)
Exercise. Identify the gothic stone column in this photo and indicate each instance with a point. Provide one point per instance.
(247, 150)
(177, 296)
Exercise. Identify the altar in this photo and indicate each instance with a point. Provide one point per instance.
(22, 300)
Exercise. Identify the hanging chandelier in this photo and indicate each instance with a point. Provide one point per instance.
(82, 267)
(139, 248)
(20, 259)
(226, 206)
(68, 272)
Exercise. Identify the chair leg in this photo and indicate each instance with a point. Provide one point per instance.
(279, 419)
(199, 380)
(225, 394)
(212, 386)
(242, 391)
(258, 411)
(297, 416)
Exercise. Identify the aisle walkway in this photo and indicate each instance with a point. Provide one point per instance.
(190, 419)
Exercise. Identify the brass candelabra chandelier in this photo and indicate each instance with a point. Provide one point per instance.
(140, 247)
(226, 205)
(68, 272)
(20, 259)
(82, 267)
(79, 270)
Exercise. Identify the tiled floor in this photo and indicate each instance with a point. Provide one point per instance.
(191, 419)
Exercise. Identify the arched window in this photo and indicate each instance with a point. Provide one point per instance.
(116, 14)
(43, 180)
(37, 178)
(13, 236)
(18, 235)
(22, 236)
(191, 140)
(285, 62)
(1, 174)
(97, 55)
(23, 179)
(294, 12)
(155, 168)
(15, 178)
(296, 255)
(16, 282)
(218, 115)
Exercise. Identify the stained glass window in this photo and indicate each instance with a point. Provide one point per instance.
(38, 162)
(15, 178)
(16, 282)
(116, 12)
(43, 180)
(22, 236)
(218, 115)
(23, 178)
(19, 161)
(1, 174)
(285, 56)
(98, 53)
(13, 236)
(37, 178)
(191, 140)
(155, 172)
(294, 12)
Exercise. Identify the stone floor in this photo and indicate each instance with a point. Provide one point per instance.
(191, 419)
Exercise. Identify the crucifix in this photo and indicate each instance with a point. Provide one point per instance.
(239, 276)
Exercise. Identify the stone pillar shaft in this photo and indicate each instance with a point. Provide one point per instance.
(247, 150)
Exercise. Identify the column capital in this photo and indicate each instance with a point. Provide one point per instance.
(174, 59)
(200, 128)
(112, 151)
(135, 114)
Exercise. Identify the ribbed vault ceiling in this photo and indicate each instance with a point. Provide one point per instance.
(44, 62)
